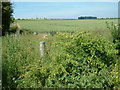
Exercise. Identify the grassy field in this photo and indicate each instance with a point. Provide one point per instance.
(64, 25)
(71, 60)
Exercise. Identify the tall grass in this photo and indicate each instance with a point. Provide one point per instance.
(17, 53)
(0, 63)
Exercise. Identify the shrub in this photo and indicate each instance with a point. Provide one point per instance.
(13, 28)
(81, 61)
(52, 33)
(115, 32)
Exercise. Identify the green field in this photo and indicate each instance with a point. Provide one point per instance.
(64, 25)
(71, 60)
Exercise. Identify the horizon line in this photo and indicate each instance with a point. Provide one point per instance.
(70, 18)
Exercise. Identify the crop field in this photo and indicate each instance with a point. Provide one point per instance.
(64, 25)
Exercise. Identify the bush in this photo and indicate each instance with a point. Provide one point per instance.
(80, 61)
(52, 33)
(13, 28)
(115, 32)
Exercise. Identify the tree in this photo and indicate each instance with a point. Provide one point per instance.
(87, 17)
(7, 17)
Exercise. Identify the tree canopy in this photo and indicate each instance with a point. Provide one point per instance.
(7, 17)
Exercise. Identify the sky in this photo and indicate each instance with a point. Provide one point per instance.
(65, 0)
(65, 10)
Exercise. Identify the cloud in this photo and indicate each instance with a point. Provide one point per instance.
(65, 0)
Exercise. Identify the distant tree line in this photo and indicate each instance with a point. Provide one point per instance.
(42, 19)
(108, 18)
(91, 17)
(87, 17)
(62, 19)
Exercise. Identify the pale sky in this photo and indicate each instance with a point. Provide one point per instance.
(66, 10)
(65, 0)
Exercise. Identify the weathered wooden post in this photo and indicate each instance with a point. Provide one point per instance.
(18, 29)
(42, 48)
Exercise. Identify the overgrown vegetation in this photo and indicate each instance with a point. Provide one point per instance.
(72, 60)
(115, 32)
(18, 52)
(84, 61)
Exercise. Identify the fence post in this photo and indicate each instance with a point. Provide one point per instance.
(18, 29)
(42, 48)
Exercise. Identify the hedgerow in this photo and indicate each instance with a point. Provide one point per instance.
(72, 60)
(83, 61)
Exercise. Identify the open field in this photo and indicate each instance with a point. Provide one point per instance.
(71, 60)
(65, 25)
